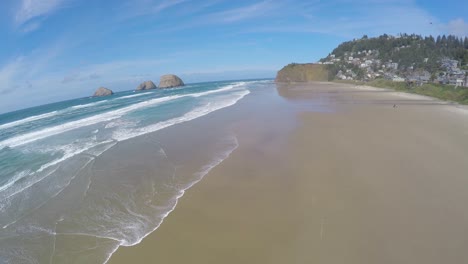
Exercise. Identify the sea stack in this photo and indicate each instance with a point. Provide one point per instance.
(169, 81)
(148, 85)
(102, 91)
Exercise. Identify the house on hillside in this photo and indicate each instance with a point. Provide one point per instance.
(419, 78)
(450, 65)
(398, 79)
(391, 65)
(442, 80)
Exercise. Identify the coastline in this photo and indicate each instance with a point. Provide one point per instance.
(96, 176)
(444, 93)
(325, 173)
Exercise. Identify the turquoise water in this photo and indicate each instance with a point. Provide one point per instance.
(43, 150)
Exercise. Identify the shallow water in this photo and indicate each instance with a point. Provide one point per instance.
(80, 178)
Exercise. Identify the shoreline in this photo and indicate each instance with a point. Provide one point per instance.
(201, 174)
(106, 178)
(401, 89)
(328, 185)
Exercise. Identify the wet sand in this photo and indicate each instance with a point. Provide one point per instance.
(326, 173)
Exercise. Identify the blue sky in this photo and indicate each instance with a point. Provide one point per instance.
(52, 50)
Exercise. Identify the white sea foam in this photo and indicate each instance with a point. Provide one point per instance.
(15, 178)
(124, 134)
(131, 96)
(68, 151)
(218, 159)
(120, 122)
(107, 116)
(87, 146)
(88, 105)
(28, 119)
(71, 150)
(51, 131)
(8, 192)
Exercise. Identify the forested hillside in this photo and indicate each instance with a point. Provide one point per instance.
(409, 50)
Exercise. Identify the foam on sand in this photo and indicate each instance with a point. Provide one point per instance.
(78, 193)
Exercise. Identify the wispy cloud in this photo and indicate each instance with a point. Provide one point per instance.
(255, 10)
(458, 27)
(11, 86)
(165, 4)
(203, 15)
(350, 19)
(30, 27)
(27, 81)
(137, 8)
(77, 77)
(8, 73)
(30, 10)
(111, 70)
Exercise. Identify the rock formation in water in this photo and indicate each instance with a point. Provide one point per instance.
(148, 85)
(170, 80)
(102, 91)
(308, 72)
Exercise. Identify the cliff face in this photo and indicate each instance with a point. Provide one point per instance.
(308, 72)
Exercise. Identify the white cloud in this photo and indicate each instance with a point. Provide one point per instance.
(30, 10)
(137, 8)
(119, 67)
(26, 79)
(119, 70)
(165, 4)
(29, 27)
(12, 86)
(255, 10)
(8, 73)
(351, 18)
(458, 27)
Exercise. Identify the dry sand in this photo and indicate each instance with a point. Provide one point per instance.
(347, 179)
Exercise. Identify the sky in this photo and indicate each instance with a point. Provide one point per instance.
(53, 50)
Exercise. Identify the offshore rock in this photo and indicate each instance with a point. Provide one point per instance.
(102, 91)
(169, 81)
(148, 85)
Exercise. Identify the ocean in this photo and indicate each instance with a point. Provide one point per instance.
(82, 177)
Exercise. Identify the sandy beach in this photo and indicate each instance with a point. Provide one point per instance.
(325, 173)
